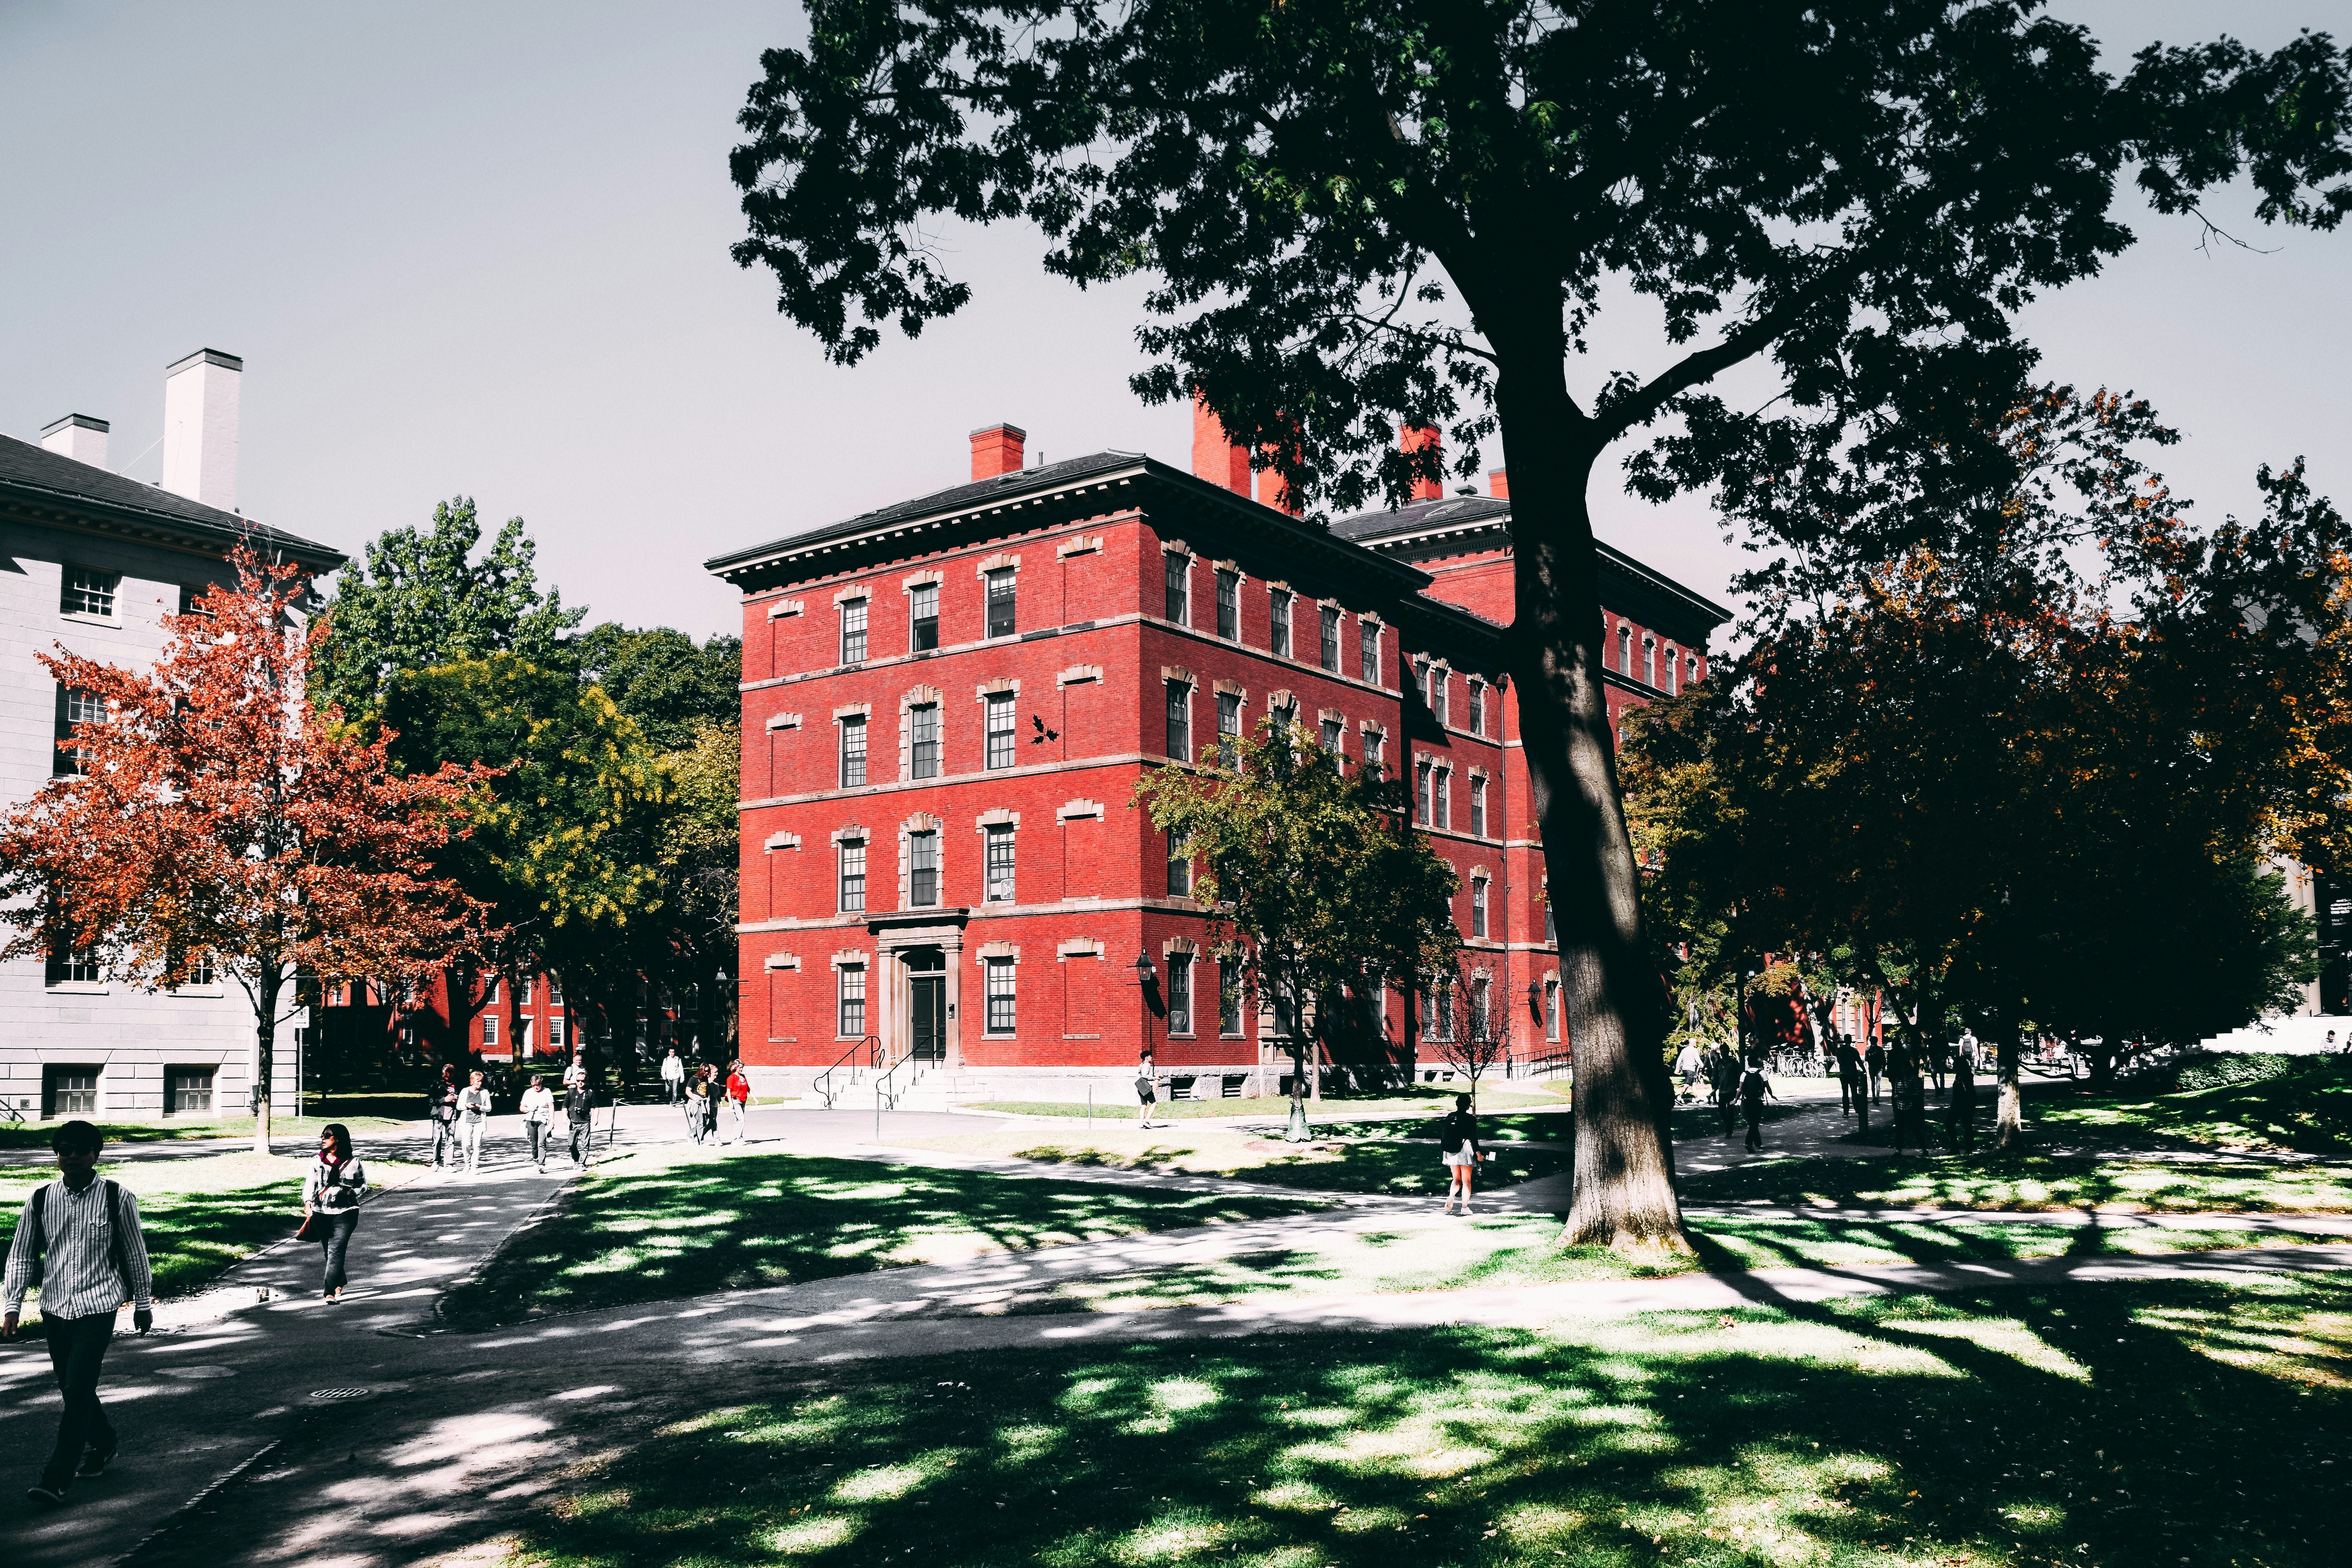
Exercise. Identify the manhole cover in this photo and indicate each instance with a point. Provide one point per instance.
(341, 1393)
(197, 1372)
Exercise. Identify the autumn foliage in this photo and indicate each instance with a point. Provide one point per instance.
(213, 818)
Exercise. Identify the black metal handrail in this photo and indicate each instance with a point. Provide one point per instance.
(826, 1087)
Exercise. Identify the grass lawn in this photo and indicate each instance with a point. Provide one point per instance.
(1434, 1098)
(35, 1135)
(657, 1223)
(1382, 1164)
(2305, 1104)
(2031, 1182)
(199, 1215)
(2106, 1426)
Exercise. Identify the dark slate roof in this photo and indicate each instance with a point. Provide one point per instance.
(954, 499)
(33, 473)
(1448, 511)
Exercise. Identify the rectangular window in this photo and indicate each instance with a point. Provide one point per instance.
(524, 996)
(853, 1002)
(1180, 720)
(1551, 937)
(1441, 807)
(923, 870)
(1229, 724)
(75, 969)
(923, 618)
(1285, 718)
(1373, 742)
(69, 1091)
(1280, 640)
(1477, 707)
(1625, 648)
(1552, 1011)
(1333, 732)
(1421, 794)
(1478, 808)
(555, 1034)
(191, 603)
(1229, 605)
(1649, 661)
(188, 1091)
(1479, 907)
(1437, 1007)
(1000, 729)
(490, 991)
(489, 1031)
(853, 876)
(1480, 1000)
(999, 889)
(853, 752)
(1180, 993)
(1441, 686)
(1369, 632)
(1178, 570)
(201, 975)
(1179, 869)
(852, 631)
(1000, 603)
(1329, 642)
(1000, 996)
(554, 991)
(89, 593)
(1229, 999)
(74, 707)
(923, 730)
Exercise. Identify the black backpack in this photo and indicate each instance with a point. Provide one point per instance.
(35, 1218)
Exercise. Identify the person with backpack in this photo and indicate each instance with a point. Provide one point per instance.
(79, 1239)
(539, 1120)
(579, 1109)
(1147, 1089)
(332, 1190)
(1458, 1149)
(1753, 1090)
(738, 1099)
(441, 1110)
(473, 1117)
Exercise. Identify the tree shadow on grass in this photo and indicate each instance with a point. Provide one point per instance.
(191, 1237)
(2026, 1181)
(1389, 1166)
(779, 1219)
(2106, 1425)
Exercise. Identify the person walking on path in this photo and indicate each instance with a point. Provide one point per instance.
(1960, 1109)
(1689, 1067)
(1147, 1090)
(1849, 1066)
(579, 1109)
(473, 1116)
(1458, 1151)
(673, 1076)
(702, 1104)
(79, 1239)
(576, 1070)
(1874, 1061)
(1727, 1089)
(689, 1104)
(1753, 1090)
(441, 1109)
(738, 1099)
(1910, 1096)
(537, 1119)
(1939, 1056)
(332, 1190)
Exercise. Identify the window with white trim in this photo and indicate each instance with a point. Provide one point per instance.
(923, 733)
(1000, 729)
(1551, 1009)
(1440, 687)
(1334, 732)
(922, 869)
(922, 617)
(853, 752)
(1478, 808)
(1437, 1012)
(1180, 720)
(852, 989)
(1000, 589)
(1000, 995)
(1179, 867)
(1328, 641)
(85, 591)
(1479, 907)
(1368, 635)
(489, 1031)
(1229, 605)
(999, 865)
(1373, 745)
(1442, 804)
(1229, 725)
(1625, 648)
(75, 969)
(1177, 570)
(1481, 1001)
(1279, 603)
(1229, 998)
(1180, 993)
(1477, 705)
(74, 707)
(555, 1034)
(1421, 793)
(1551, 937)
(852, 631)
(850, 857)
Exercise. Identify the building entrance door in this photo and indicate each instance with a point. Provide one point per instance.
(927, 1010)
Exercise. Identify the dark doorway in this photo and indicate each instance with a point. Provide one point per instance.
(927, 1010)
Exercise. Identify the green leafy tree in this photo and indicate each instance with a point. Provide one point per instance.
(421, 599)
(664, 680)
(1318, 884)
(564, 837)
(1354, 212)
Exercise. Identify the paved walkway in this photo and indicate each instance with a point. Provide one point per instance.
(269, 1428)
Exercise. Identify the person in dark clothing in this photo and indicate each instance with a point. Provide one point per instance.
(1727, 1089)
(1457, 1143)
(1874, 1062)
(441, 1110)
(578, 1109)
(1910, 1095)
(1849, 1065)
(1960, 1111)
(1753, 1090)
(79, 1237)
(332, 1191)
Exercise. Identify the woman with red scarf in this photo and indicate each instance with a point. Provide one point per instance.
(331, 1191)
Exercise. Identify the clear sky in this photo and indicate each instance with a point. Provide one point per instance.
(482, 250)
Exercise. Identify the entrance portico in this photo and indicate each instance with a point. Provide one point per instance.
(920, 955)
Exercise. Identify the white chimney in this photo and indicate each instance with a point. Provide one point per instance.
(78, 437)
(200, 399)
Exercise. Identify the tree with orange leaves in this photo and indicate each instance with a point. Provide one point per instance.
(212, 817)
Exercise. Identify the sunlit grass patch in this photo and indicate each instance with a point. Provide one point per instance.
(2029, 1182)
(1372, 1165)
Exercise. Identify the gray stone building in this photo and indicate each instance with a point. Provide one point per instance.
(93, 560)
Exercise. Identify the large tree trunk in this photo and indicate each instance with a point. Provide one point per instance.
(1624, 1187)
(265, 1054)
(2009, 1108)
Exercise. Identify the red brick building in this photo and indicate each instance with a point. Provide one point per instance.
(947, 704)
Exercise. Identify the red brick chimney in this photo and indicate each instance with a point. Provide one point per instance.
(1498, 483)
(1216, 457)
(997, 450)
(1415, 437)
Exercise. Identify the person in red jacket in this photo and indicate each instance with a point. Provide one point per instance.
(738, 1098)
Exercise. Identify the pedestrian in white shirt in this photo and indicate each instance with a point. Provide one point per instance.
(538, 1119)
(673, 1074)
(79, 1239)
(473, 1115)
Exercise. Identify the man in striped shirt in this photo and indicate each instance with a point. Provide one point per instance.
(79, 1239)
